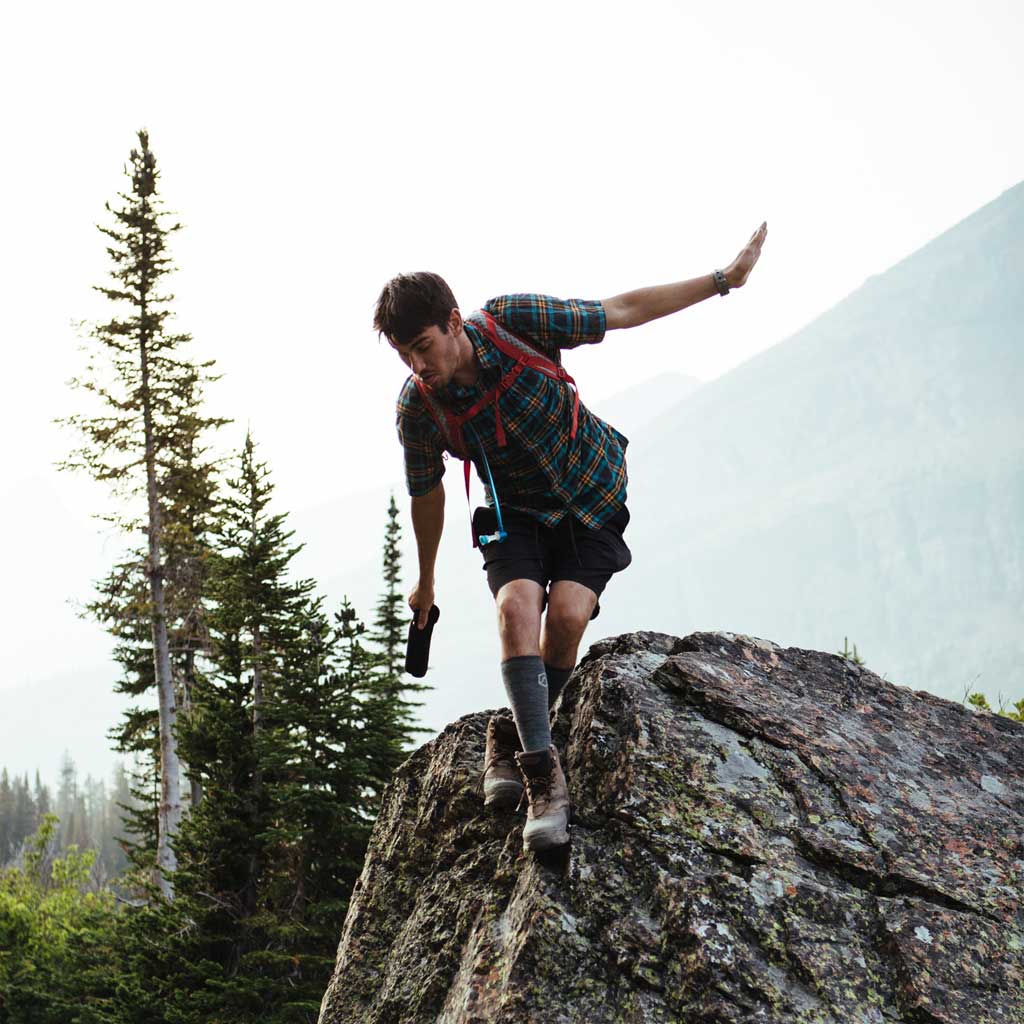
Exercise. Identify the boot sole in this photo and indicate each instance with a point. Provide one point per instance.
(503, 796)
(546, 839)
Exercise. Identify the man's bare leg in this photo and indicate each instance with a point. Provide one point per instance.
(519, 605)
(522, 671)
(570, 606)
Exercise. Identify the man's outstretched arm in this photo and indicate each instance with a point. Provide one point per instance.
(427, 525)
(638, 307)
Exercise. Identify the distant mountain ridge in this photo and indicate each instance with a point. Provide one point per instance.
(865, 475)
(634, 410)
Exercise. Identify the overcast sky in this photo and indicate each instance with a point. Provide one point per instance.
(313, 150)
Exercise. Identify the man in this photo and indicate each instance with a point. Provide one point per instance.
(490, 388)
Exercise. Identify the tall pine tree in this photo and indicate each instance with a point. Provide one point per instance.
(394, 714)
(392, 618)
(148, 393)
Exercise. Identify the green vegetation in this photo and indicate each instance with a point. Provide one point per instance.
(89, 816)
(211, 882)
(977, 700)
(55, 930)
(1014, 711)
(850, 655)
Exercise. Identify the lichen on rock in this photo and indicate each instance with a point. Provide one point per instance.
(760, 834)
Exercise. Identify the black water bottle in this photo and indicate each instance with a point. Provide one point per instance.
(417, 651)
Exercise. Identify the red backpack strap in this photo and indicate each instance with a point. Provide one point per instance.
(525, 355)
(450, 427)
(481, 404)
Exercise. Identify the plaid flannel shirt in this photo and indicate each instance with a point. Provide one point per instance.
(541, 471)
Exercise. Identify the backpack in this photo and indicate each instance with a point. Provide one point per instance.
(450, 425)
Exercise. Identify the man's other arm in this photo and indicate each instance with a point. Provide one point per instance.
(427, 525)
(638, 307)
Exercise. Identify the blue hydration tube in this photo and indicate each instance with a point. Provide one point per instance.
(489, 538)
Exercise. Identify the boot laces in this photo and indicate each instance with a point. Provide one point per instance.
(538, 788)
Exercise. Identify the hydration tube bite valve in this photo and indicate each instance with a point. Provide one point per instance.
(490, 538)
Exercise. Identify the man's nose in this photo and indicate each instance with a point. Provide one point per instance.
(416, 363)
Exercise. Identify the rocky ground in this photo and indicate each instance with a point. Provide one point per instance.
(760, 835)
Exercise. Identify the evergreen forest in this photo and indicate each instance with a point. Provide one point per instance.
(210, 880)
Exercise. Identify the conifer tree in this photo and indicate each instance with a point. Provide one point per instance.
(256, 619)
(392, 712)
(268, 860)
(6, 817)
(148, 394)
(71, 809)
(42, 800)
(19, 813)
(373, 741)
(190, 496)
(25, 811)
(391, 621)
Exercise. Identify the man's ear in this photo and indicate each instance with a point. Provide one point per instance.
(454, 321)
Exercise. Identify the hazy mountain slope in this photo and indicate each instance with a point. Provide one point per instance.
(53, 580)
(71, 712)
(863, 477)
(634, 409)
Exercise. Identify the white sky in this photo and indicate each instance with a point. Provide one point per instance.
(313, 150)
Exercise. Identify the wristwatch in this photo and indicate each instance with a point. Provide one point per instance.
(721, 284)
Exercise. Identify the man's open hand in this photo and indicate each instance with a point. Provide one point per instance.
(421, 600)
(739, 270)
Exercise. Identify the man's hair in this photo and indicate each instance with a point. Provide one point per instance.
(409, 303)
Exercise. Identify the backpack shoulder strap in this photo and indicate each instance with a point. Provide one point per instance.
(447, 422)
(451, 430)
(511, 344)
(525, 356)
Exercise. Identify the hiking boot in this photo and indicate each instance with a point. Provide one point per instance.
(547, 819)
(502, 783)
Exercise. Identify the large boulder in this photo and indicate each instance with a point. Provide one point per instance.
(760, 834)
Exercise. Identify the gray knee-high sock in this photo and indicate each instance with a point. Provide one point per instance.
(527, 687)
(557, 678)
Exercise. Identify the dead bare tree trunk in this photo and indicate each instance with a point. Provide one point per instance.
(169, 815)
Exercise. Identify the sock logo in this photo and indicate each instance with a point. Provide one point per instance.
(542, 679)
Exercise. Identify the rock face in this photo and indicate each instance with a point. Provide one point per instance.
(760, 835)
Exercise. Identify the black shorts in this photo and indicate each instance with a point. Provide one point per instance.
(546, 554)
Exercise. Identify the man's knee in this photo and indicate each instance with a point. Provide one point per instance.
(570, 606)
(519, 604)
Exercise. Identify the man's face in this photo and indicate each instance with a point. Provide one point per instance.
(433, 354)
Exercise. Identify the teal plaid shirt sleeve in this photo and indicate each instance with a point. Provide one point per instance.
(421, 442)
(549, 323)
